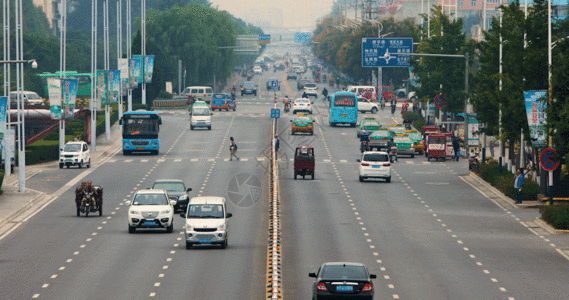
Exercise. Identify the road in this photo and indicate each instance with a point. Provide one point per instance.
(429, 234)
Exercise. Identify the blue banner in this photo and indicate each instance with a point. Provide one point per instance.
(69, 94)
(376, 52)
(135, 71)
(3, 105)
(148, 68)
(535, 109)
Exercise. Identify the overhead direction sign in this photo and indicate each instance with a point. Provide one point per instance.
(376, 52)
(302, 37)
(548, 159)
(264, 38)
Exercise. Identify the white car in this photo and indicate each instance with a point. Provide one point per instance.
(301, 105)
(375, 164)
(75, 154)
(206, 222)
(364, 105)
(151, 209)
(258, 70)
(310, 89)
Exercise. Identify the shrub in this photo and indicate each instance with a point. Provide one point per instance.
(504, 181)
(41, 153)
(418, 124)
(556, 215)
(164, 95)
(1, 178)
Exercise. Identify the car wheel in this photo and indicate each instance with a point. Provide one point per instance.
(191, 127)
(67, 166)
(292, 132)
(170, 228)
(374, 110)
(312, 175)
(388, 179)
(209, 127)
(80, 165)
(61, 166)
(233, 109)
(224, 244)
(412, 155)
(189, 245)
(101, 210)
(428, 158)
(125, 153)
(89, 163)
(361, 179)
(131, 229)
(295, 175)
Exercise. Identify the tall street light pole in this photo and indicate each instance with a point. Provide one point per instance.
(20, 88)
(549, 90)
(129, 48)
(119, 56)
(62, 70)
(6, 36)
(143, 44)
(107, 68)
(93, 102)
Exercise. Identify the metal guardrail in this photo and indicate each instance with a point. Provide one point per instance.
(274, 260)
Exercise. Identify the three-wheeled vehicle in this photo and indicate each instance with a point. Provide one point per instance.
(304, 161)
(436, 146)
(89, 201)
(222, 101)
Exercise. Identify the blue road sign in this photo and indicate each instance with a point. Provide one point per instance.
(376, 52)
(302, 37)
(264, 37)
(275, 85)
(275, 113)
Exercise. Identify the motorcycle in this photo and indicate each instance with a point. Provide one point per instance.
(286, 107)
(363, 147)
(473, 161)
(88, 203)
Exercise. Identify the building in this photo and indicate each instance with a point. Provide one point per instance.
(51, 8)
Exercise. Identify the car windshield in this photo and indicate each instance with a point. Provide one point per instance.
(437, 140)
(303, 119)
(150, 199)
(170, 186)
(375, 157)
(370, 123)
(302, 101)
(344, 272)
(310, 85)
(33, 96)
(200, 111)
(198, 211)
(248, 85)
(72, 148)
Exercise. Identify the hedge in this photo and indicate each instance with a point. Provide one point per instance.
(1, 179)
(556, 215)
(504, 181)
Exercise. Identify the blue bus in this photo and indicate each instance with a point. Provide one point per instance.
(140, 132)
(343, 109)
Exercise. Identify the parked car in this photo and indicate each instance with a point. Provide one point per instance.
(75, 154)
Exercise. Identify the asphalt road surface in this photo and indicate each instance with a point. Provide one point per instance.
(428, 234)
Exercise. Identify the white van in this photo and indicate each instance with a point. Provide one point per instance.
(201, 93)
(200, 115)
(358, 89)
(206, 222)
(30, 98)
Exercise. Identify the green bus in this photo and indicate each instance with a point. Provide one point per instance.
(83, 85)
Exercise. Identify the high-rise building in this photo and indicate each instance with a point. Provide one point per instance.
(51, 8)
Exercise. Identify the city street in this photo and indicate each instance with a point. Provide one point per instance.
(429, 234)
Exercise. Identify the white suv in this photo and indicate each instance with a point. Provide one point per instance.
(206, 221)
(151, 209)
(311, 89)
(375, 164)
(75, 154)
(364, 105)
(301, 105)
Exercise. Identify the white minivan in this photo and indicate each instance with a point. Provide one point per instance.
(206, 222)
(200, 116)
(201, 93)
(30, 98)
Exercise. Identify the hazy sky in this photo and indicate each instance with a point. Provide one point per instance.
(296, 13)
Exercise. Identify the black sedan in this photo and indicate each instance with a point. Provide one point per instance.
(176, 191)
(248, 87)
(342, 280)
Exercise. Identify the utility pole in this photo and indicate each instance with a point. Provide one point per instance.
(93, 102)
(129, 48)
(143, 44)
(62, 69)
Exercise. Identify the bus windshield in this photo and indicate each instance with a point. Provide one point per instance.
(140, 128)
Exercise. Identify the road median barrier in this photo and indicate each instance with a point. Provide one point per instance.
(274, 260)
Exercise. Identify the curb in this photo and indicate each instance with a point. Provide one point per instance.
(501, 195)
(549, 228)
(22, 209)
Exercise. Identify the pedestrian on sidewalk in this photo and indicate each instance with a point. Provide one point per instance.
(518, 183)
(456, 148)
(232, 149)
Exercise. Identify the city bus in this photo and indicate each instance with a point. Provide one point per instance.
(343, 109)
(83, 85)
(140, 132)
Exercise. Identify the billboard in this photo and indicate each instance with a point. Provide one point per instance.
(148, 68)
(123, 68)
(376, 52)
(102, 87)
(69, 93)
(135, 71)
(114, 83)
(54, 94)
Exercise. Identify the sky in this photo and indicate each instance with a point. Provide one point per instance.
(296, 14)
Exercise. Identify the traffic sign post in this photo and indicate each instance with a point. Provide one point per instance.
(275, 85)
(275, 113)
(264, 39)
(302, 37)
(549, 162)
(376, 52)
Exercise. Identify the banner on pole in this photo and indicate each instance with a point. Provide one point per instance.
(102, 87)
(148, 68)
(3, 106)
(473, 126)
(114, 86)
(135, 71)
(54, 93)
(69, 95)
(123, 68)
(535, 109)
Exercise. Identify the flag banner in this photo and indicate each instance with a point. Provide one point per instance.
(535, 109)
(54, 94)
(114, 81)
(69, 95)
(148, 68)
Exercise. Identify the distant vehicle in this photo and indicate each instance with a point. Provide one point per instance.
(343, 109)
(75, 154)
(222, 101)
(249, 87)
(310, 89)
(302, 123)
(140, 132)
(200, 116)
(270, 84)
(176, 190)
(300, 83)
(367, 125)
(258, 70)
(364, 105)
(200, 93)
(342, 280)
(151, 209)
(405, 146)
(375, 164)
(301, 105)
(206, 222)
(30, 98)
(291, 74)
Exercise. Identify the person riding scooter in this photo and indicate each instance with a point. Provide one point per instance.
(233, 91)
(325, 93)
(392, 151)
(364, 141)
(286, 103)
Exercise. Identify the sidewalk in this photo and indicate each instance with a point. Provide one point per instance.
(14, 204)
